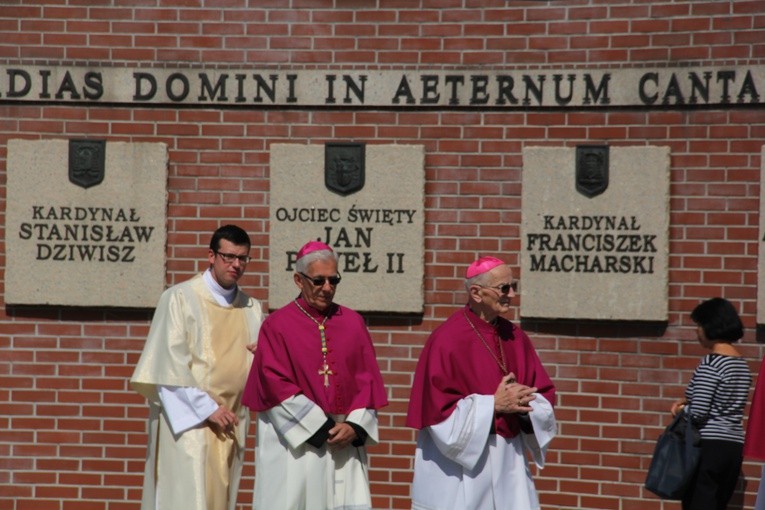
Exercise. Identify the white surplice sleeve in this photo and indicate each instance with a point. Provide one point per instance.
(462, 437)
(296, 419)
(545, 429)
(185, 406)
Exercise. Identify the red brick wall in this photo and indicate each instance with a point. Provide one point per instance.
(73, 434)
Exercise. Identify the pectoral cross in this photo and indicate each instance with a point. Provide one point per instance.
(326, 372)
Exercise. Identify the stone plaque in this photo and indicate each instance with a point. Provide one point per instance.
(603, 256)
(377, 231)
(95, 240)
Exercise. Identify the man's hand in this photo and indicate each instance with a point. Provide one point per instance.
(513, 397)
(341, 435)
(223, 421)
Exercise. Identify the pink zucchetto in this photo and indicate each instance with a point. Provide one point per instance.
(482, 265)
(312, 246)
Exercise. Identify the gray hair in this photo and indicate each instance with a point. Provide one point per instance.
(301, 266)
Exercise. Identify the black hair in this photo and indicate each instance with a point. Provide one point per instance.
(719, 320)
(230, 233)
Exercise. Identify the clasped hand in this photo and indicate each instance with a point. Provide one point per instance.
(340, 436)
(513, 397)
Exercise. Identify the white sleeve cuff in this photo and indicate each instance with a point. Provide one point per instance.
(462, 437)
(186, 407)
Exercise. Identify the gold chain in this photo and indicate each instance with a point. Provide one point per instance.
(324, 370)
(501, 360)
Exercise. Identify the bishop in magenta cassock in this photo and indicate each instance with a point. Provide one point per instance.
(316, 387)
(481, 400)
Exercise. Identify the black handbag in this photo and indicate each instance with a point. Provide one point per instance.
(675, 459)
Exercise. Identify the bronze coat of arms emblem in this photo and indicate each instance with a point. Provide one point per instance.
(591, 169)
(344, 167)
(87, 159)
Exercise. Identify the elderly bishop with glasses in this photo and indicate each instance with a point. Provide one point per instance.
(480, 399)
(192, 371)
(316, 386)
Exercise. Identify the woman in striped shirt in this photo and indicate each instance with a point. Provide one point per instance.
(715, 399)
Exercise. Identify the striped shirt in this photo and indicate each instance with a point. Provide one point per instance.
(717, 395)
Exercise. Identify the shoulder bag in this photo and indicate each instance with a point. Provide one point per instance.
(675, 459)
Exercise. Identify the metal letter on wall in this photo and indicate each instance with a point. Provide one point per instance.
(591, 169)
(87, 160)
(344, 167)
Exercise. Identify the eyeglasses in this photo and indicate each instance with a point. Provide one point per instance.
(229, 258)
(319, 280)
(503, 288)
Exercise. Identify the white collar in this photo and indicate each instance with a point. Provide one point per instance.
(222, 296)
